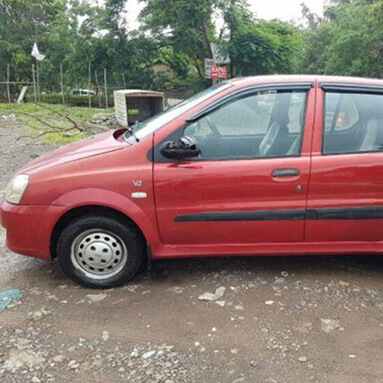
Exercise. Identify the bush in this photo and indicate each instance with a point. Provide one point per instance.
(71, 100)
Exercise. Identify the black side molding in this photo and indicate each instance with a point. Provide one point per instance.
(373, 212)
(260, 215)
(367, 212)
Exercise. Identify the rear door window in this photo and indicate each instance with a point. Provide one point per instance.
(353, 123)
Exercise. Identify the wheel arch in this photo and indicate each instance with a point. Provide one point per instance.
(79, 211)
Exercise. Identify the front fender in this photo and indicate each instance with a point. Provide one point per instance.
(141, 213)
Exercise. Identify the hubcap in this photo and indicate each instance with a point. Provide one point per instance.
(99, 254)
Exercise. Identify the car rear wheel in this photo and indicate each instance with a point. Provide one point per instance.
(100, 252)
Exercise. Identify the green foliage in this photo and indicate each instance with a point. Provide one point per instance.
(44, 110)
(22, 22)
(76, 33)
(73, 33)
(50, 114)
(348, 41)
(255, 47)
(184, 25)
(264, 48)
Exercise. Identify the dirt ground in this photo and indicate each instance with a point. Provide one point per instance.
(285, 319)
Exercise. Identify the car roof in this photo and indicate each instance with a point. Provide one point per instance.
(254, 80)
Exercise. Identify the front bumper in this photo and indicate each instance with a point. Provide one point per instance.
(29, 227)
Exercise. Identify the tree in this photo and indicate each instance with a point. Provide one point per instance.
(255, 47)
(348, 41)
(114, 17)
(258, 46)
(184, 25)
(24, 22)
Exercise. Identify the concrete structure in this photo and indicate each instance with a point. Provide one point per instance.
(135, 105)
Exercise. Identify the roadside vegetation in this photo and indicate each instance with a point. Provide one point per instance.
(55, 124)
(89, 37)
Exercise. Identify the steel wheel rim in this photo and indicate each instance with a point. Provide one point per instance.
(99, 254)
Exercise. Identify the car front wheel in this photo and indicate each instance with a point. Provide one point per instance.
(100, 252)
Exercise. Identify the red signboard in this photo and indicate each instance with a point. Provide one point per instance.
(219, 72)
(214, 72)
(222, 72)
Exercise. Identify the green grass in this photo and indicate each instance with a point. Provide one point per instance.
(52, 114)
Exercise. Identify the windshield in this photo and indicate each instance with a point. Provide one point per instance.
(147, 127)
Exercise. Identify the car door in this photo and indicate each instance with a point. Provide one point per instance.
(345, 201)
(249, 184)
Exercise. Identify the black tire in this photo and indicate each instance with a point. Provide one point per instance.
(128, 234)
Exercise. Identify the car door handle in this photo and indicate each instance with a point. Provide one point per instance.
(285, 173)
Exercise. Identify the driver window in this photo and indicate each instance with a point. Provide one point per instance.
(265, 124)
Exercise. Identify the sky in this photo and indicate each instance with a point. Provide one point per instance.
(283, 9)
(286, 10)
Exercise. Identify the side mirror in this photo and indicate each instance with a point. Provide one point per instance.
(185, 147)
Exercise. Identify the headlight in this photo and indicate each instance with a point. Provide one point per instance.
(16, 188)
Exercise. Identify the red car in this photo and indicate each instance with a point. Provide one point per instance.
(263, 165)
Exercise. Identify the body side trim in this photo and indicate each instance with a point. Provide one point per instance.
(365, 212)
(260, 215)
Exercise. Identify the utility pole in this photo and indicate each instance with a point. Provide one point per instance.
(8, 85)
(34, 83)
(106, 89)
(89, 85)
(38, 81)
(62, 84)
(98, 89)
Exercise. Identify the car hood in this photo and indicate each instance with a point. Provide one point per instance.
(93, 146)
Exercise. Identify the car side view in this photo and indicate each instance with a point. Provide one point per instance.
(276, 165)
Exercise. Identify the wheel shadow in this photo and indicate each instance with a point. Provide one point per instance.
(196, 269)
(367, 265)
